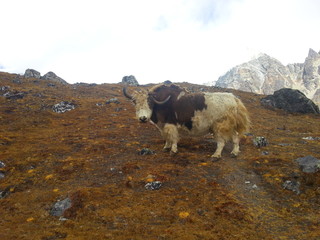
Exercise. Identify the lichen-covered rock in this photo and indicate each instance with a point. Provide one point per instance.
(260, 142)
(63, 107)
(293, 186)
(155, 185)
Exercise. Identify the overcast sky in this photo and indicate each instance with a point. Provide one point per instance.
(155, 40)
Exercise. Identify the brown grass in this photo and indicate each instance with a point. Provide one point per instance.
(90, 155)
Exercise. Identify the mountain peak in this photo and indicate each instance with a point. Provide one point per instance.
(265, 74)
(313, 54)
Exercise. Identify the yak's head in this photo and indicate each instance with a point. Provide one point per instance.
(144, 103)
(147, 101)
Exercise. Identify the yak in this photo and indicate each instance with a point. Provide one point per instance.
(177, 112)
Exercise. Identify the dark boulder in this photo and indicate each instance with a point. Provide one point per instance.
(290, 100)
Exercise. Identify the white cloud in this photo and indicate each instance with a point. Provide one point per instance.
(182, 40)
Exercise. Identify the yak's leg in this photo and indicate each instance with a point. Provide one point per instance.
(167, 146)
(220, 145)
(235, 140)
(170, 133)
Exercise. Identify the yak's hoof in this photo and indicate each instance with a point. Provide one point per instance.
(173, 153)
(166, 149)
(215, 159)
(234, 155)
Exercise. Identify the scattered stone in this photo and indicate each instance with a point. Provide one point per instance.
(4, 89)
(260, 142)
(146, 151)
(53, 77)
(292, 185)
(14, 95)
(290, 100)
(311, 138)
(17, 81)
(285, 144)
(156, 185)
(167, 82)
(5, 192)
(265, 153)
(130, 80)
(31, 73)
(113, 100)
(2, 164)
(60, 206)
(309, 164)
(63, 107)
(2, 174)
(51, 85)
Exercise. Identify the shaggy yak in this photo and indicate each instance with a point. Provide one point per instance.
(175, 111)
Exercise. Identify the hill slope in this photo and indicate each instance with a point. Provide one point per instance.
(90, 155)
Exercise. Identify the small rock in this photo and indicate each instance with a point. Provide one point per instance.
(5, 192)
(146, 151)
(309, 164)
(17, 81)
(60, 206)
(285, 144)
(63, 107)
(292, 185)
(156, 185)
(260, 142)
(311, 138)
(2, 164)
(4, 89)
(113, 100)
(14, 95)
(2, 174)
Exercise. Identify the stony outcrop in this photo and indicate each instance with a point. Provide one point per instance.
(31, 73)
(265, 74)
(130, 80)
(52, 76)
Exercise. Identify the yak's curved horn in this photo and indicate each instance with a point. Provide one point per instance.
(161, 102)
(126, 94)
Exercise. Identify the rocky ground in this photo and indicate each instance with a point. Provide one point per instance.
(72, 167)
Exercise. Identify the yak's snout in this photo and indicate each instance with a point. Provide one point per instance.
(143, 119)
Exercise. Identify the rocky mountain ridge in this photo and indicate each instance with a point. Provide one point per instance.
(265, 74)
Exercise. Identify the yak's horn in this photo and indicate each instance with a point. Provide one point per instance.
(126, 94)
(162, 102)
